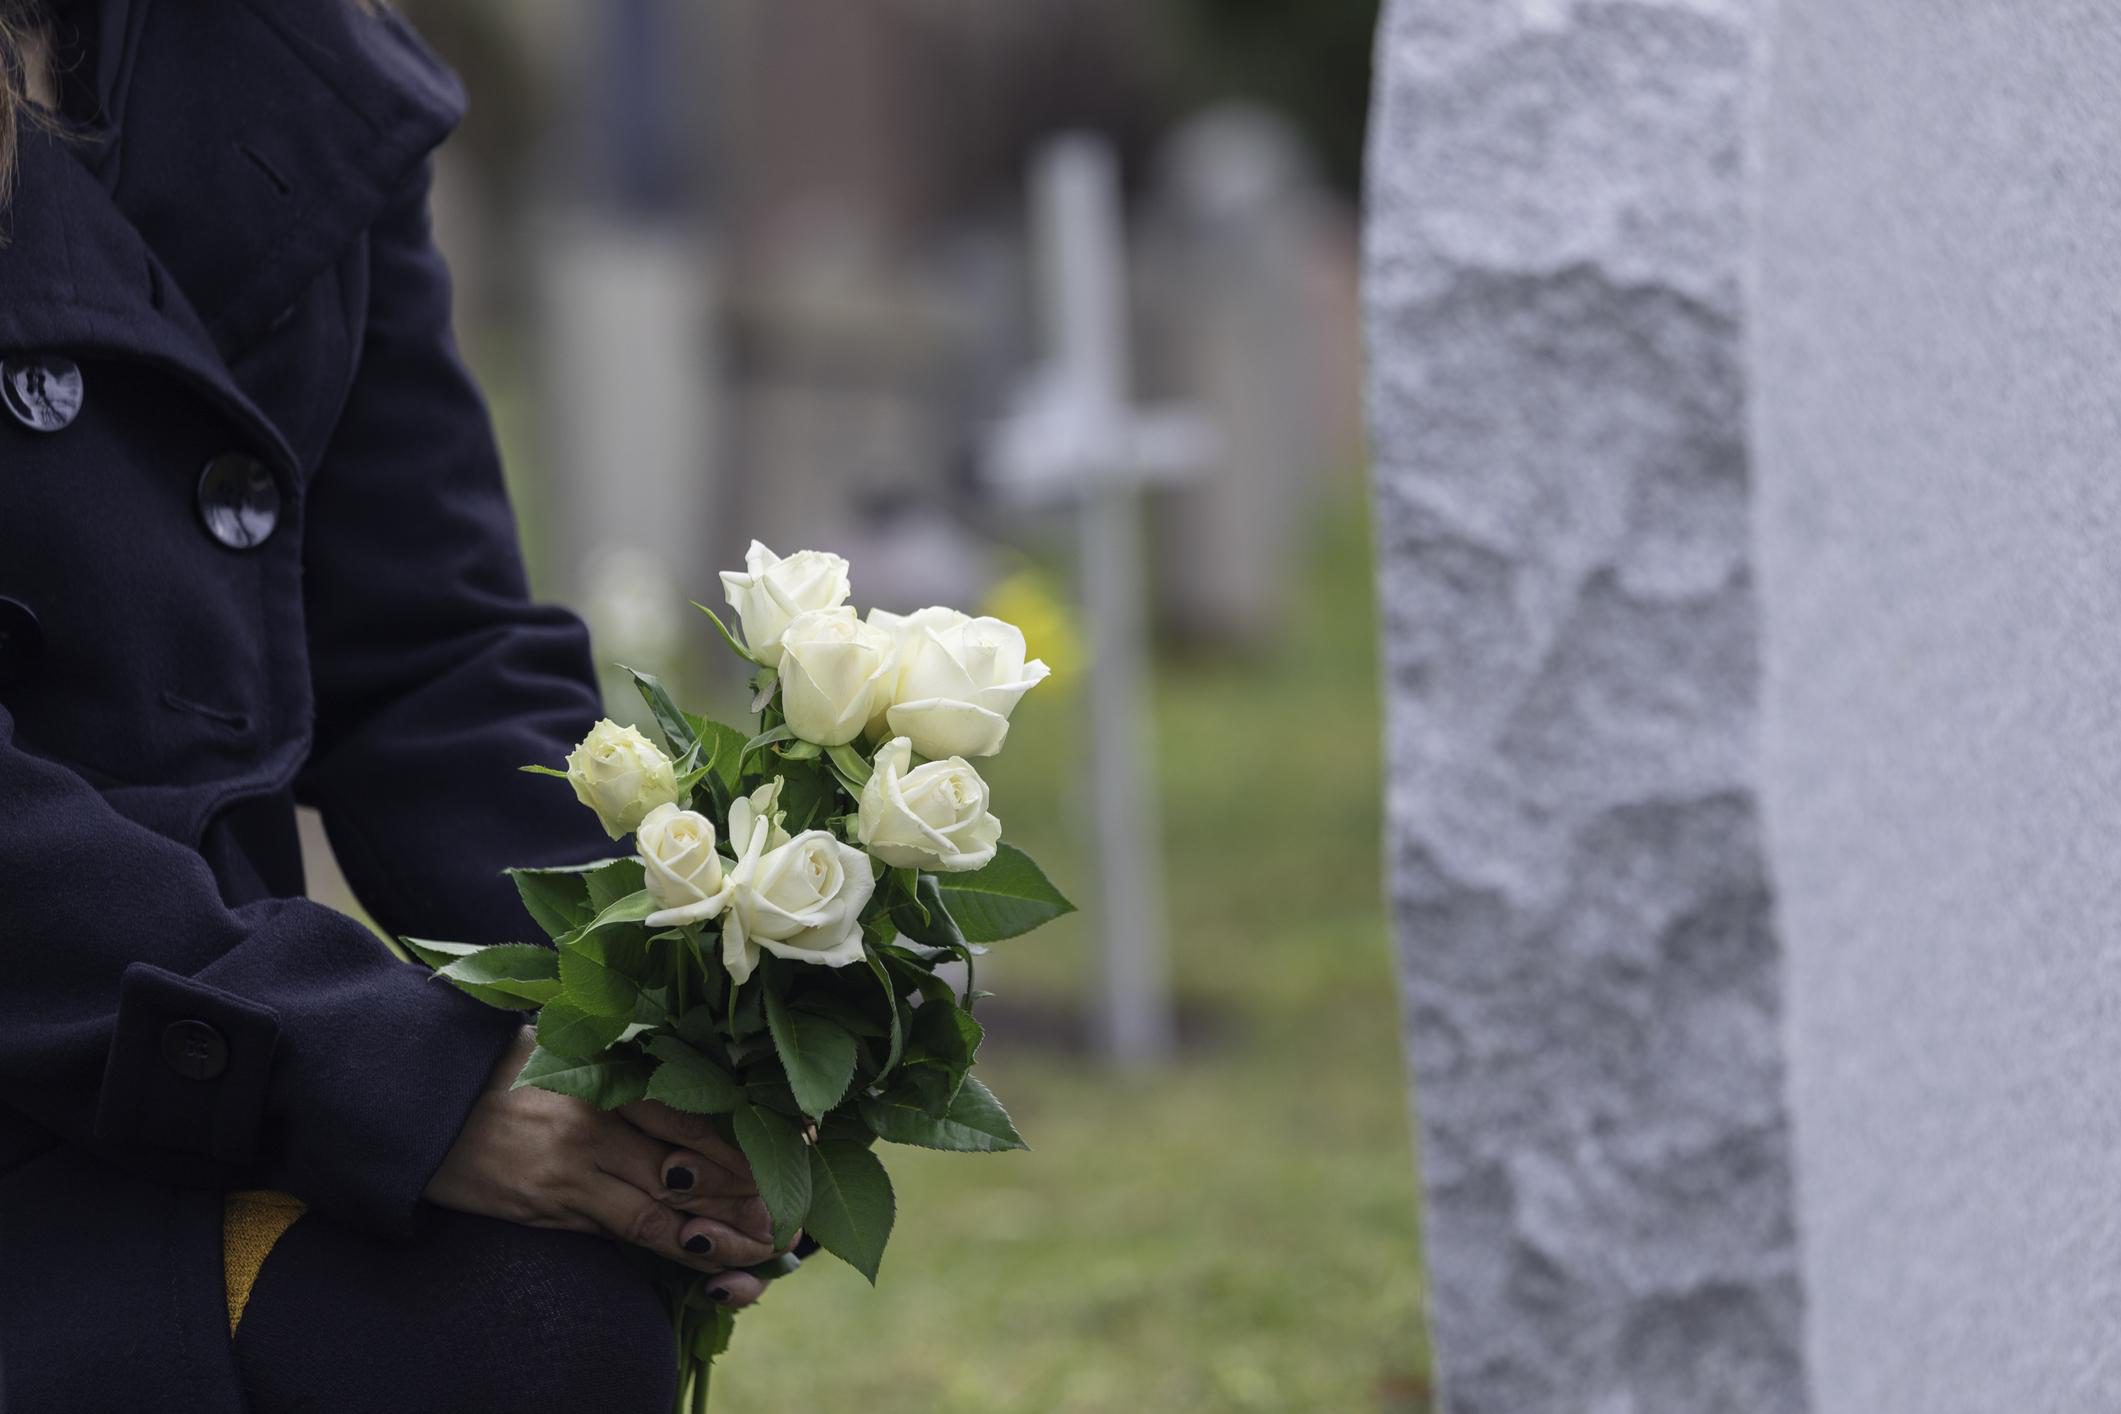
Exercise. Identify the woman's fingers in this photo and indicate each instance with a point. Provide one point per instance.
(723, 1173)
(736, 1289)
(630, 1215)
(747, 1215)
(708, 1237)
(625, 1212)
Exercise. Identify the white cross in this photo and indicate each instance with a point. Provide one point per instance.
(1072, 437)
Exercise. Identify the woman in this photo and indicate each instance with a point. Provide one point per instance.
(254, 551)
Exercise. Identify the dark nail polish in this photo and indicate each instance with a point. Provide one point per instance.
(699, 1244)
(805, 1246)
(719, 1293)
(680, 1179)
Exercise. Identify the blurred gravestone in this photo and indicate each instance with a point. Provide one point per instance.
(1936, 427)
(1237, 226)
(625, 363)
(1554, 245)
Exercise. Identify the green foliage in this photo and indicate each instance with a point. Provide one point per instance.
(779, 1160)
(687, 1080)
(677, 730)
(735, 644)
(973, 1123)
(606, 1081)
(851, 1203)
(592, 983)
(567, 1030)
(1010, 896)
(436, 954)
(511, 976)
(817, 1053)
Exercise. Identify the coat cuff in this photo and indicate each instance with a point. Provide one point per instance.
(187, 1075)
(309, 1059)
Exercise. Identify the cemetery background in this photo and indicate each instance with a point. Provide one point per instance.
(763, 267)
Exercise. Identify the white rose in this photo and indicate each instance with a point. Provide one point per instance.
(772, 591)
(955, 680)
(903, 630)
(802, 900)
(832, 672)
(683, 871)
(931, 817)
(621, 775)
(762, 804)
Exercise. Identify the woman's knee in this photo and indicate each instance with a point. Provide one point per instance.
(475, 1314)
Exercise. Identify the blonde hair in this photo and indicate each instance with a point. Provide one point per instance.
(20, 29)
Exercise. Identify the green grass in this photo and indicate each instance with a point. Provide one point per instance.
(1234, 1232)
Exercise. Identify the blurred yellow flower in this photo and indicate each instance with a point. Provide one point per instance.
(1029, 600)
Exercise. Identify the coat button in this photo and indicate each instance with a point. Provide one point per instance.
(21, 642)
(194, 1050)
(43, 391)
(238, 500)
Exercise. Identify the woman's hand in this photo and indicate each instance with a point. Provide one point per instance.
(547, 1160)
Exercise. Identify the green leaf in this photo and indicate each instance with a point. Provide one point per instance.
(1010, 896)
(567, 1030)
(633, 908)
(687, 1080)
(748, 1017)
(614, 880)
(711, 1337)
(842, 1010)
(767, 1087)
(677, 730)
(510, 975)
(818, 1054)
(898, 1030)
(940, 931)
(851, 765)
(557, 898)
(809, 795)
(727, 637)
(606, 1081)
(783, 732)
(726, 745)
(975, 1122)
(436, 954)
(699, 1028)
(541, 771)
(905, 890)
(945, 1033)
(780, 1161)
(851, 1205)
(592, 983)
(927, 920)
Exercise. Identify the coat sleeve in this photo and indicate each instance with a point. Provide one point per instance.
(435, 675)
(278, 1043)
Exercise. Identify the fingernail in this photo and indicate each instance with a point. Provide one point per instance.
(699, 1244)
(805, 1246)
(680, 1179)
(719, 1293)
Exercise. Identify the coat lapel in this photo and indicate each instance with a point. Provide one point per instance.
(76, 277)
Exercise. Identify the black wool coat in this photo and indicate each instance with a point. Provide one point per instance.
(254, 551)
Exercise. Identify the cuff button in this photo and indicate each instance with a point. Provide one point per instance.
(194, 1050)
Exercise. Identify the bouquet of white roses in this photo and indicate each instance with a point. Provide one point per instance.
(768, 953)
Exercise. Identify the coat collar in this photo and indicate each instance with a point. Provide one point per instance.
(253, 141)
(260, 137)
